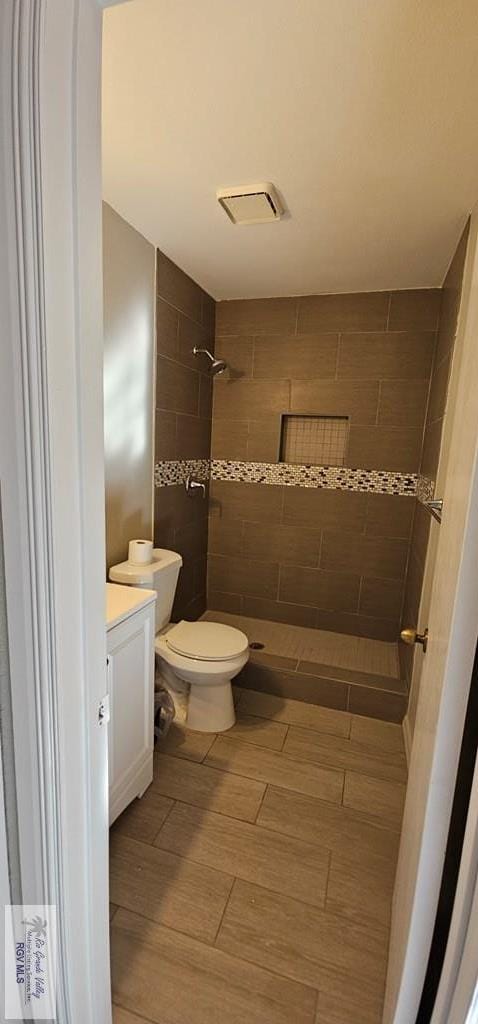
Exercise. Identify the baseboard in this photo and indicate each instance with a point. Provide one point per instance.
(407, 738)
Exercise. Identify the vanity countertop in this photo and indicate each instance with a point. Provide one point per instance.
(122, 601)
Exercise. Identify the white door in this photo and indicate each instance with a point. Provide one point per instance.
(450, 599)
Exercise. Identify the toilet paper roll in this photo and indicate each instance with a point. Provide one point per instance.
(140, 552)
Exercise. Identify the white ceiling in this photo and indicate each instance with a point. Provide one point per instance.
(363, 113)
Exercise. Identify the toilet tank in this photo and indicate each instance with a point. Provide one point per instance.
(160, 575)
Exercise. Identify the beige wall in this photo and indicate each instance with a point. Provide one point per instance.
(129, 270)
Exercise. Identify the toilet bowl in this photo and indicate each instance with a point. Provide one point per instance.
(205, 655)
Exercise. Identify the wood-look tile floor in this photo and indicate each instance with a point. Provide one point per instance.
(253, 881)
(341, 650)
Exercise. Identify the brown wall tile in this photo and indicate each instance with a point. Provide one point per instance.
(173, 508)
(166, 329)
(256, 316)
(244, 399)
(357, 625)
(438, 390)
(263, 442)
(178, 526)
(413, 592)
(208, 312)
(431, 449)
(237, 353)
(177, 288)
(279, 611)
(243, 576)
(193, 437)
(254, 502)
(191, 539)
(218, 602)
(403, 403)
(205, 396)
(405, 658)
(414, 310)
(185, 317)
(324, 509)
(365, 311)
(185, 592)
(389, 515)
(379, 356)
(390, 707)
(420, 533)
(301, 356)
(177, 388)
(450, 299)
(190, 335)
(226, 537)
(229, 439)
(370, 679)
(356, 399)
(392, 448)
(381, 598)
(274, 660)
(200, 571)
(165, 435)
(196, 608)
(287, 545)
(294, 685)
(329, 590)
(383, 557)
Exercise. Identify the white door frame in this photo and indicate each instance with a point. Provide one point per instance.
(51, 475)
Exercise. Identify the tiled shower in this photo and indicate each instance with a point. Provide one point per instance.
(332, 559)
(339, 548)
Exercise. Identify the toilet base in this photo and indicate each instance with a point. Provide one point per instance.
(210, 707)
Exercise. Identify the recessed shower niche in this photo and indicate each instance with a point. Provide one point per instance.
(314, 440)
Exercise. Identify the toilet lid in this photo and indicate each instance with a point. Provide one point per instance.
(207, 641)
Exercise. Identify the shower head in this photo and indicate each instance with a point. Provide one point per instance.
(217, 365)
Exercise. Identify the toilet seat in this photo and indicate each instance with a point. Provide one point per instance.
(206, 641)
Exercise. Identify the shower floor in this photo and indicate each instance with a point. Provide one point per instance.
(348, 673)
(253, 881)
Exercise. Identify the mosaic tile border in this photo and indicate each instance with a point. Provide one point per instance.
(167, 474)
(338, 478)
(425, 489)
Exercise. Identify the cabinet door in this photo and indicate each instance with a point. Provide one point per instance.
(131, 694)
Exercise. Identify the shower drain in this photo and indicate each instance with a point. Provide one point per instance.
(255, 645)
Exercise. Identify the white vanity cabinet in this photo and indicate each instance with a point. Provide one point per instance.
(130, 624)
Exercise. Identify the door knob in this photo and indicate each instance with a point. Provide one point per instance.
(412, 636)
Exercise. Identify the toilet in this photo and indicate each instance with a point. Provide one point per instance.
(204, 655)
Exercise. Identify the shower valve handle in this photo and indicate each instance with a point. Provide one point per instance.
(194, 486)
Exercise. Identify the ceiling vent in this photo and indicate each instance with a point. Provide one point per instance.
(251, 204)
